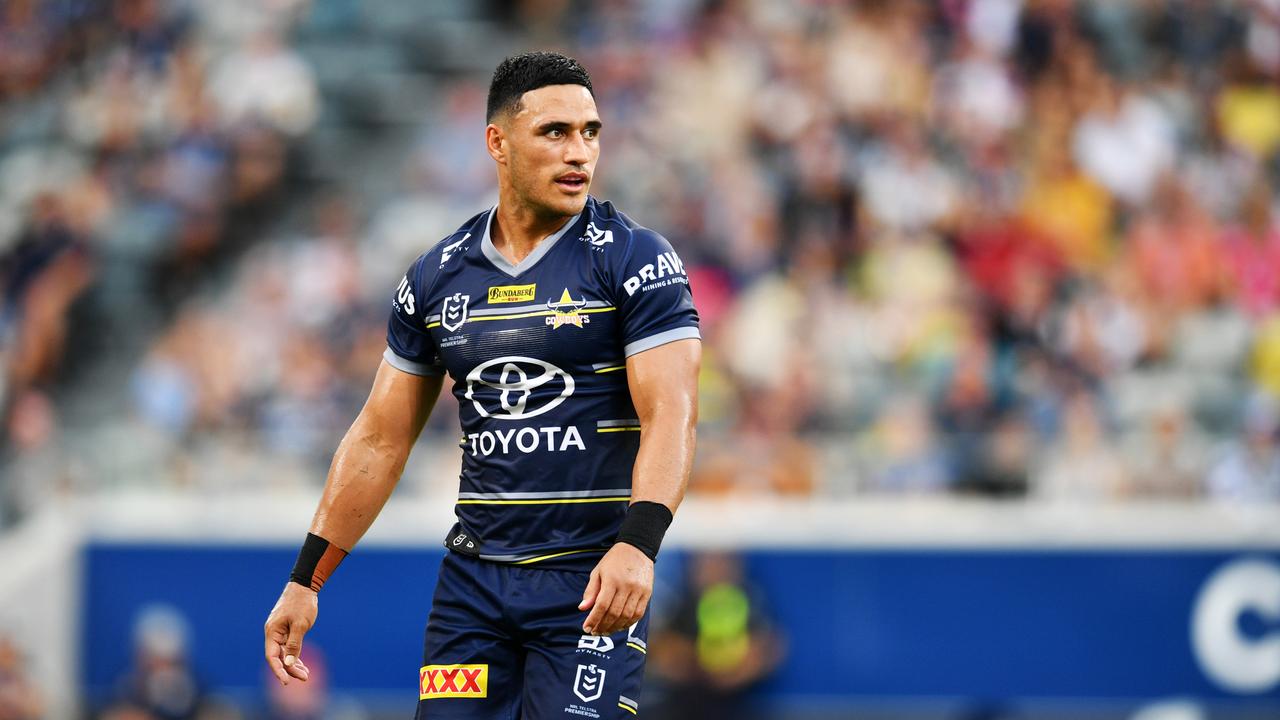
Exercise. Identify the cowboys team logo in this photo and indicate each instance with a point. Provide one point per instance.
(454, 311)
(567, 311)
(588, 683)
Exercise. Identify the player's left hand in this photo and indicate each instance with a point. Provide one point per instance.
(618, 592)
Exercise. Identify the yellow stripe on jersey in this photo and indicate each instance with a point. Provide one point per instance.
(540, 558)
(611, 369)
(628, 708)
(637, 647)
(628, 428)
(517, 316)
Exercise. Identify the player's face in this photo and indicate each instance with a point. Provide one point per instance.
(552, 143)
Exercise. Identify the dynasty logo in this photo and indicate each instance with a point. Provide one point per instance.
(596, 644)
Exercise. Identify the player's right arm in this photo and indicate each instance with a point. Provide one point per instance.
(365, 468)
(364, 472)
(372, 454)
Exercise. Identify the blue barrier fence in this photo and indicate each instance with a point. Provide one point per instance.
(861, 625)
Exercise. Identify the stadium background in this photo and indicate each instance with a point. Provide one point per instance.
(991, 300)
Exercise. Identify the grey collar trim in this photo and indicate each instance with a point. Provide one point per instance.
(502, 263)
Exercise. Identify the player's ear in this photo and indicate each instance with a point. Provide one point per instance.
(495, 141)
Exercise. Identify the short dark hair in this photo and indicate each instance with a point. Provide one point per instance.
(521, 73)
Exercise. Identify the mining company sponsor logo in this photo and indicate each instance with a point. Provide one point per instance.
(596, 237)
(404, 296)
(453, 681)
(525, 440)
(595, 644)
(588, 683)
(453, 313)
(567, 311)
(666, 270)
(512, 293)
(503, 388)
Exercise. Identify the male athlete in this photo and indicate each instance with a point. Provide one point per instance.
(572, 342)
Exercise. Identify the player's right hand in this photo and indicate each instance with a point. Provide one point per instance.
(291, 618)
(618, 591)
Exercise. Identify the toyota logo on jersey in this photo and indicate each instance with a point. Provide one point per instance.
(515, 388)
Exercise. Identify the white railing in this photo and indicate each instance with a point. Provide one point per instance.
(730, 522)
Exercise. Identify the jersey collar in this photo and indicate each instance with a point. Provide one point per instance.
(502, 263)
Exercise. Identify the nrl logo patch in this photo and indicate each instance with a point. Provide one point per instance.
(453, 314)
(567, 311)
(588, 683)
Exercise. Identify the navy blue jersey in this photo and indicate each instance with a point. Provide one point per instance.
(537, 353)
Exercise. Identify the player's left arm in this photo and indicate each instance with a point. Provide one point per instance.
(664, 390)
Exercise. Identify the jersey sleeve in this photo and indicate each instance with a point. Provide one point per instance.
(409, 345)
(653, 295)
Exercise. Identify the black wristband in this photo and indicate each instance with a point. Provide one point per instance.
(643, 527)
(317, 560)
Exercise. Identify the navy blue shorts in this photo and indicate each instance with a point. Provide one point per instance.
(505, 642)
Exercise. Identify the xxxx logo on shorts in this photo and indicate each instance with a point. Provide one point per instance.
(453, 681)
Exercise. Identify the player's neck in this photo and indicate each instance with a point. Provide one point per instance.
(517, 230)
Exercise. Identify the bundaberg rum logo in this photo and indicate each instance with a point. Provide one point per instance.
(512, 293)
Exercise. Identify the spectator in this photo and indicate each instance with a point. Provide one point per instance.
(20, 699)
(1173, 249)
(902, 453)
(1248, 469)
(1167, 458)
(161, 685)
(1249, 111)
(265, 81)
(1069, 208)
(1252, 256)
(1082, 466)
(905, 189)
(1125, 142)
(717, 644)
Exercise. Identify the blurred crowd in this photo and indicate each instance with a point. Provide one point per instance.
(993, 247)
(141, 143)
